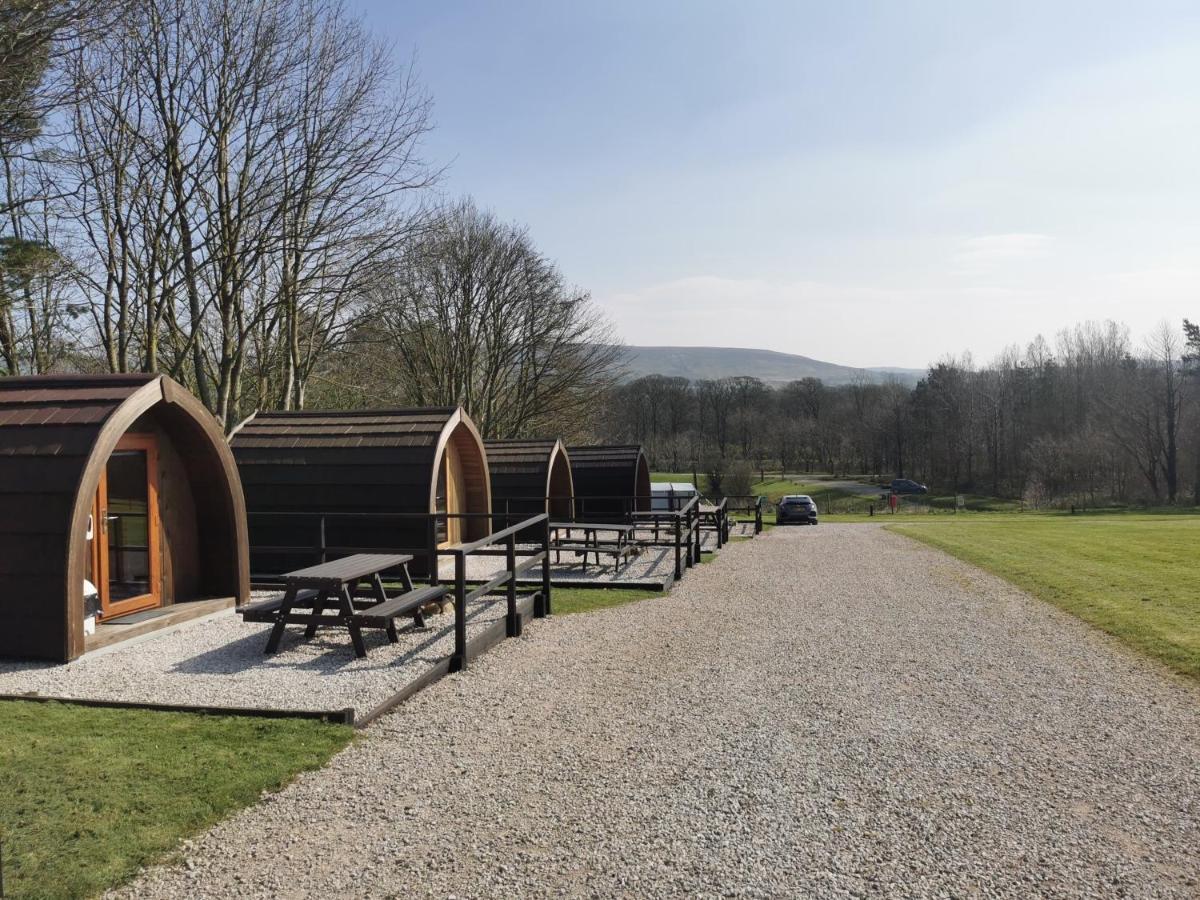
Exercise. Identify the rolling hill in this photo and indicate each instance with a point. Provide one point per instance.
(697, 363)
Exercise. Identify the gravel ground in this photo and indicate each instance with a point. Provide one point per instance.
(220, 662)
(830, 711)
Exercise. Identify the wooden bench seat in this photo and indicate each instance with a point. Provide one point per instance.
(267, 610)
(609, 548)
(406, 604)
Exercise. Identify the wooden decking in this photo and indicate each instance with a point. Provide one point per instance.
(108, 634)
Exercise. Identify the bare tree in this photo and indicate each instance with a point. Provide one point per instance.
(474, 314)
(1164, 350)
(239, 170)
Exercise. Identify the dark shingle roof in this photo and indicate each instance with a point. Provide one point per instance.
(365, 428)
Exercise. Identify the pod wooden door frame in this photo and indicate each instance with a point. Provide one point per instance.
(148, 444)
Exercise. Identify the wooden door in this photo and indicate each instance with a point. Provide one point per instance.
(125, 546)
(456, 493)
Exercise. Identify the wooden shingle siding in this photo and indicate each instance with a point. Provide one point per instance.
(352, 462)
(47, 431)
(609, 480)
(56, 433)
(525, 475)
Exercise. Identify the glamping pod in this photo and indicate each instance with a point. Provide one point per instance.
(610, 482)
(530, 478)
(118, 497)
(355, 471)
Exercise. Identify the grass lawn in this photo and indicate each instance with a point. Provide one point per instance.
(568, 600)
(1134, 576)
(831, 501)
(87, 795)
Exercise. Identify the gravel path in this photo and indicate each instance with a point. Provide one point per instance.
(830, 711)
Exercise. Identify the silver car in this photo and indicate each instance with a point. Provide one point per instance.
(796, 508)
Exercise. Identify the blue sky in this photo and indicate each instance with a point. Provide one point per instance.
(868, 183)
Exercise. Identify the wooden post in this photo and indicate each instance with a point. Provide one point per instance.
(323, 544)
(431, 548)
(545, 604)
(459, 660)
(678, 549)
(514, 620)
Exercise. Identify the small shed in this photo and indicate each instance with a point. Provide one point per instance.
(530, 478)
(120, 487)
(357, 481)
(671, 495)
(610, 481)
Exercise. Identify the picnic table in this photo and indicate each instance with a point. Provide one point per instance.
(620, 547)
(655, 517)
(335, 586)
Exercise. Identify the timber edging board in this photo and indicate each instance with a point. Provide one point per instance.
(333, 716)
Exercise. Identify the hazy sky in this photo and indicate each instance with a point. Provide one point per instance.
(867, 183)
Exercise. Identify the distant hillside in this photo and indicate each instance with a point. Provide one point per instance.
(697, 363)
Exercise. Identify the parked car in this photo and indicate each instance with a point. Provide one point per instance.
(908, 486)
(796, 508)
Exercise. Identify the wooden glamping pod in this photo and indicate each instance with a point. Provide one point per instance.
(123, 482)
(530, 478)
(610, 481)
(355, 472)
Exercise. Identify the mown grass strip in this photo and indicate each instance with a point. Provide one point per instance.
(1133, 576)
(569, 600)
(88, 795)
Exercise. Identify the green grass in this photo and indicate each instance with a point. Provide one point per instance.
(1133, 576)
(568, 600)
(831, 501)
(87, 795)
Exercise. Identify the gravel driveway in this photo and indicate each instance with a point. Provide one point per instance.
(830, 711)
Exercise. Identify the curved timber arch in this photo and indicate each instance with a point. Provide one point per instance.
(60, 437)
(530, 477)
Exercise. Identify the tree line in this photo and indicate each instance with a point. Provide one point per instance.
(1089, 418)
(233, 192)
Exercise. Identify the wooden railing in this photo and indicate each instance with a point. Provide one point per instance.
(506, 579)
(684, 526)
(746, 504)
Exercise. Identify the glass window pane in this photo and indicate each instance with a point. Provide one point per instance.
(128, 525)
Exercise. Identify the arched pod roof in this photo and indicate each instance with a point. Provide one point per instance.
(609, 478)
(356, 461)
(527, 471)
(56, 435)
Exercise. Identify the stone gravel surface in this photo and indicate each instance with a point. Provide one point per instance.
(220, 662)
(831, 711)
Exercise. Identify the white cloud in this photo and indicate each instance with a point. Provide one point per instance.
(1001, 248)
